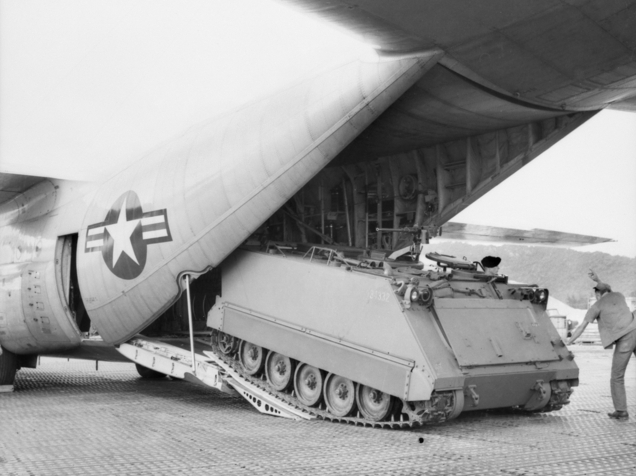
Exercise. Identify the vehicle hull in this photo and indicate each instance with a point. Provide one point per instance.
(353, 323)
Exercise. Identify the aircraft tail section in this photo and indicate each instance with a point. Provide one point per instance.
(186, 206)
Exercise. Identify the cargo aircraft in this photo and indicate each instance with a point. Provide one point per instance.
(459, 96)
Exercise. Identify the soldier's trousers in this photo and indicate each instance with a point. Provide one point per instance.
(624, 348)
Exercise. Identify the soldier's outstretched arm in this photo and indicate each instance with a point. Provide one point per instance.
(577, 332)
(590, 316)
(593, 276)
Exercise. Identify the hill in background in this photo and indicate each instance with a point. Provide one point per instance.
(562, 271)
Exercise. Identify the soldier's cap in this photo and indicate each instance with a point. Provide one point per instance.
(603, 288)
(490, 261)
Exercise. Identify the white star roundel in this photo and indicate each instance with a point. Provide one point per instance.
(123, 237)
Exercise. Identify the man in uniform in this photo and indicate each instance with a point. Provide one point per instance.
(616, 325)
(491, 265)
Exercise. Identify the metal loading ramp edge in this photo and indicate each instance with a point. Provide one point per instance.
(210, 372)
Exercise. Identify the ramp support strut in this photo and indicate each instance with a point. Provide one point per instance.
(190, 324)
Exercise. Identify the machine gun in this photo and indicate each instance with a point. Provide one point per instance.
(418, 233)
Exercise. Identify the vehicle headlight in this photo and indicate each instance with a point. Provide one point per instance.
(415, 295)
(540, 296)
(426, 295)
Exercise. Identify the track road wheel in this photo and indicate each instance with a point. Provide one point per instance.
(308, 382)
(279, 370)
(340, 395)
(373, 404)
(145, 372)
(8, 367)
(228, 345)
(252, 357)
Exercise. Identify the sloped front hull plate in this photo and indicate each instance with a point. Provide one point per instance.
(520, 335)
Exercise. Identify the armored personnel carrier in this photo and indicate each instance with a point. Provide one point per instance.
(358, 338)
(331, 310)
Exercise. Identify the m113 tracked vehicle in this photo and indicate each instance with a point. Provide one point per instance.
(356, 338)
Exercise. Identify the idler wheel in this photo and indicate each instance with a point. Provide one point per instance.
(340, 395)
(252, 357)
(373, 404)
(227, 344)
(279, 370)
(458, 404)
(308, 383)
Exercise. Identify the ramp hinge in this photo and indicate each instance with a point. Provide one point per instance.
(496, 347)
(526, 334)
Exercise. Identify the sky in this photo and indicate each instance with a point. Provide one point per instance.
(86, 87)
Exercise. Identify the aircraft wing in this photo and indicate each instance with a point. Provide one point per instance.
(568, 55)
(629, 105)
(12, 185)
(465, 231)
(513, 78)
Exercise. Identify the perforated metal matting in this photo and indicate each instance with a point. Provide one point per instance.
(66, 418)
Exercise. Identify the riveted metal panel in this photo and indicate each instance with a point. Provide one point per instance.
(520, 335)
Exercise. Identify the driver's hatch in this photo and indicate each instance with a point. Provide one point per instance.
(494, 332)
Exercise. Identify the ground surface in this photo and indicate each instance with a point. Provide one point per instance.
(66, 418)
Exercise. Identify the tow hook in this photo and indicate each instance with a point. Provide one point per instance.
(561, 391)
(473, 394)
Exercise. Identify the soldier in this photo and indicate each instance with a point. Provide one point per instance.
(616, 325)
(491, 265)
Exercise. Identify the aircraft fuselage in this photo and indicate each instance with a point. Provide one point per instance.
(124, 244)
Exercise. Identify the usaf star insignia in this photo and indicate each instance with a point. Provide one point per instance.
(123, 237)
